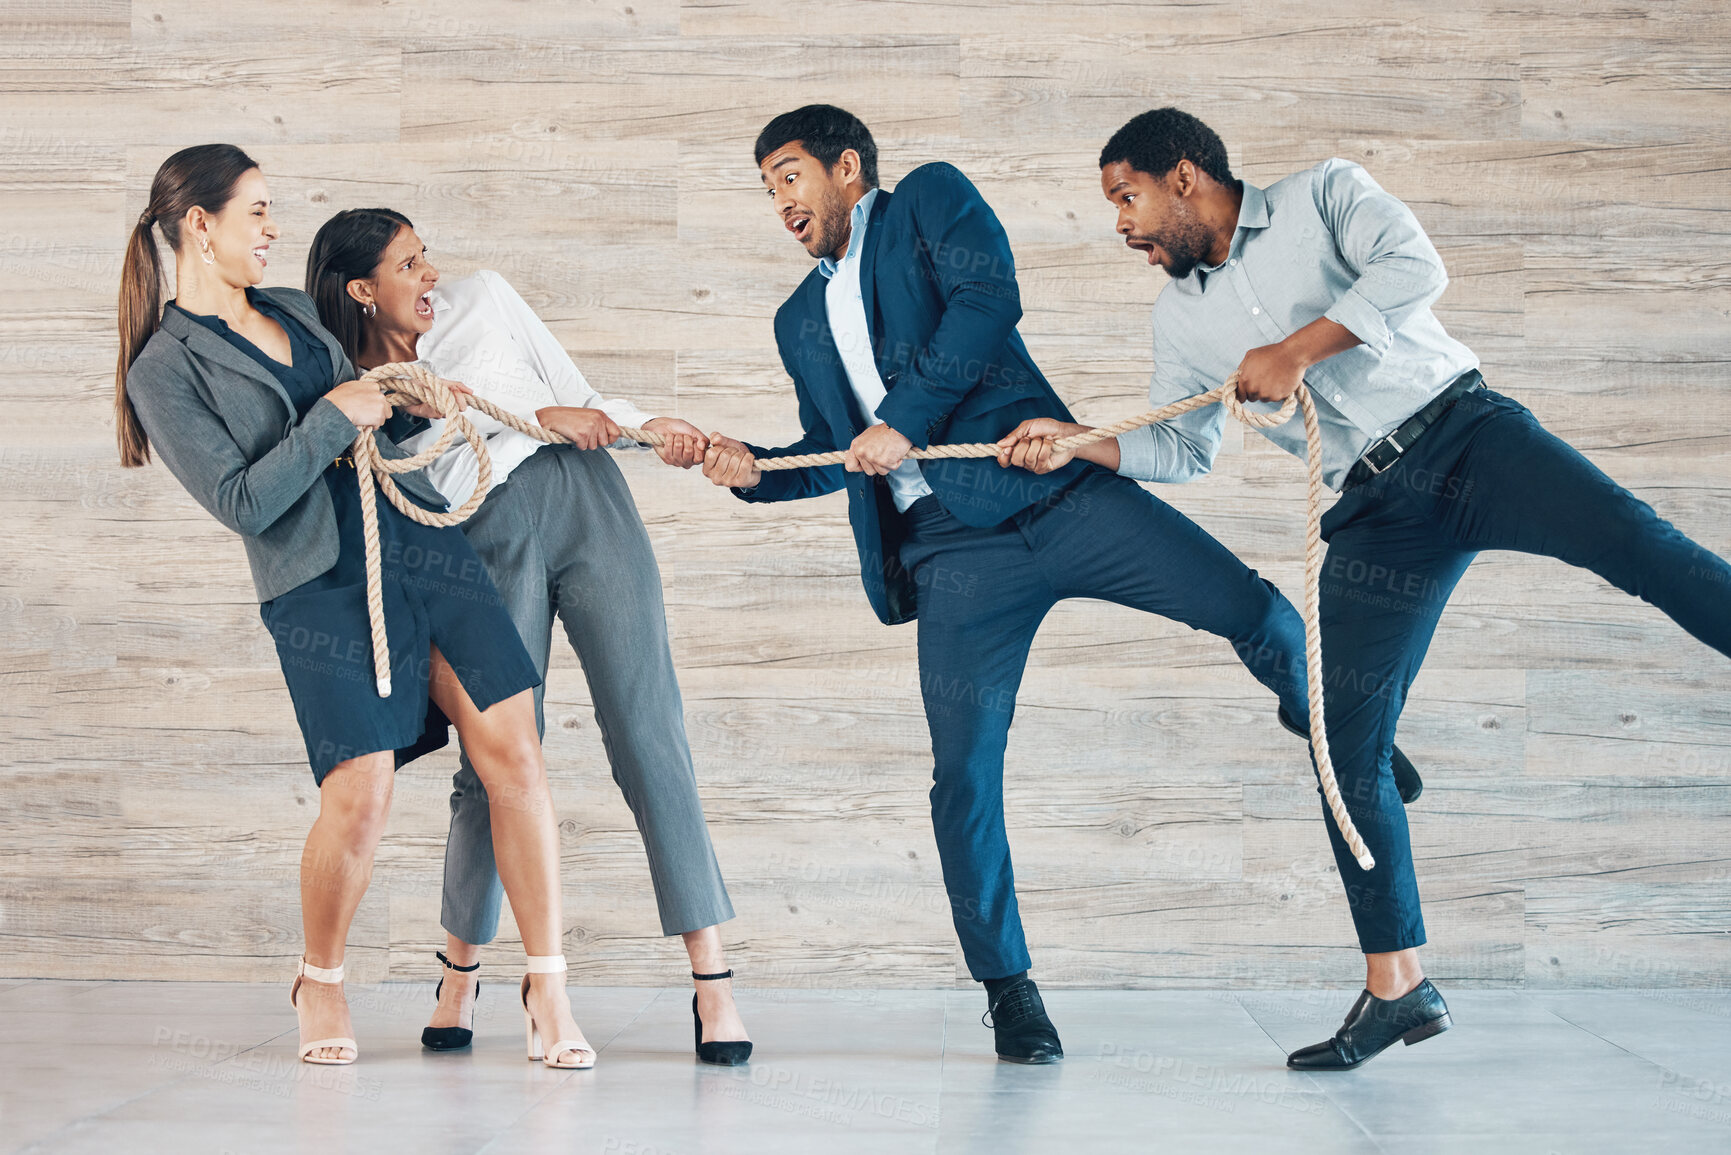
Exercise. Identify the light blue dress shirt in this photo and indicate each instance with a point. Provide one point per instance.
(853, 341)
(1326, 242)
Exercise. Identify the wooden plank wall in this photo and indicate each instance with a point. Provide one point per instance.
(1571, 161)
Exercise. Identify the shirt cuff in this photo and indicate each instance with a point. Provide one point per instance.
(1137, 455)
(1365, 320)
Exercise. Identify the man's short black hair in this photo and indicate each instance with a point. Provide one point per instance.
(1156, 141)
(826, 132)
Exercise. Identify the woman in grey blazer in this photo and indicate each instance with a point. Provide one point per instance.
(252, 405)
(562, 539)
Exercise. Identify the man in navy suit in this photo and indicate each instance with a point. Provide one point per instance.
(905, 335)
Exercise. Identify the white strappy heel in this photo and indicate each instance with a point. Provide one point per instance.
(551, 964)
(305, 970)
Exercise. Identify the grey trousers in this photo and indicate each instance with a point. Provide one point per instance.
(562, 536)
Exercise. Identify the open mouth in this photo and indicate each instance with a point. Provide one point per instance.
(424, 304)
(1143, 246)
(259, 253)
(800, 226)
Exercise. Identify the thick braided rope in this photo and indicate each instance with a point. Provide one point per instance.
(1226, 395)
(409, 384)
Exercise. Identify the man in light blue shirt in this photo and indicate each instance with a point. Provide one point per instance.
(1325, 280)
(1402, 360)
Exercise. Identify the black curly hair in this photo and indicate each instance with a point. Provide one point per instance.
(1154, 142)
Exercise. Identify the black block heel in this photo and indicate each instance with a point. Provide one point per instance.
(452, 1038)
(723, 1054)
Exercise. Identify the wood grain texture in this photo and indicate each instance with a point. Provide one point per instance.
(1569, 159)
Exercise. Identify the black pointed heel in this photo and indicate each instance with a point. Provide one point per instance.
(723, 1054)
(452, 1038)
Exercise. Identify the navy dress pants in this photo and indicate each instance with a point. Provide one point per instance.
(982, 593)
(1487, 476)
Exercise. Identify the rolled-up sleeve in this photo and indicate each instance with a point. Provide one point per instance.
(1398, 270)
(1182, 448)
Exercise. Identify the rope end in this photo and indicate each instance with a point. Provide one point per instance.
(1366, 862)
(384, 685)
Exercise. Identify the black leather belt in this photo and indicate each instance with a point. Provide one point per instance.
(1387, 451)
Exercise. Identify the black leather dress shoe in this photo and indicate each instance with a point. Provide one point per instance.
(1406, 779)
(1023, 1032)
(1374, 1025)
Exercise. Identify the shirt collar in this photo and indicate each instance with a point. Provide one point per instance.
(862, 212)
(1253, 212)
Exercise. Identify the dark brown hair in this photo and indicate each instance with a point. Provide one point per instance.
(348, 247)
(204, 176)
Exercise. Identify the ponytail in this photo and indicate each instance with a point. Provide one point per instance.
(202, 176)
(140, 313)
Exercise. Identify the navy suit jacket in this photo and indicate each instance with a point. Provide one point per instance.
(939, 285)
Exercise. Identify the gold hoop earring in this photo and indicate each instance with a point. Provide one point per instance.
(205, 252)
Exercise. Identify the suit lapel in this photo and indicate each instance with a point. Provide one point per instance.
(827, 376)
(868, 260)
(211, 347)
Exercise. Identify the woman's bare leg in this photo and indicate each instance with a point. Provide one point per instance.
(336, 866)
(506, 752)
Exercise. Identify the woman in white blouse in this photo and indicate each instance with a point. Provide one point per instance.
(561, 537)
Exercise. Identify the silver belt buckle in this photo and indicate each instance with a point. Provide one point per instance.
(1370, 463)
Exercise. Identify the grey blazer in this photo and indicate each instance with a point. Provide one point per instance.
(225, 427)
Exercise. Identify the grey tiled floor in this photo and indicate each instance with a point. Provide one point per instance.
(209, 1067)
